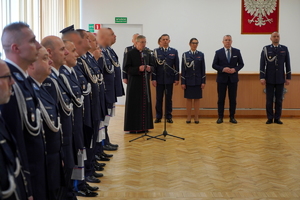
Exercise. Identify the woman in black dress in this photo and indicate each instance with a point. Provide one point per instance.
(193, 78)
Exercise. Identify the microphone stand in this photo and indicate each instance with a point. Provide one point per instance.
(165, 132)
(148, 103)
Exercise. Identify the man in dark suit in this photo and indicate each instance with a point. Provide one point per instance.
(228, 62)
(21, 113)
(38, 72)
(127, 49)
(10, 160)
(274, 58)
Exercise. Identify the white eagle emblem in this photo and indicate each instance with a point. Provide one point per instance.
(260, 9)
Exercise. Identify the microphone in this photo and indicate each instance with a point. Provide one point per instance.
(148, 50)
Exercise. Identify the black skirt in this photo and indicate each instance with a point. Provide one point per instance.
(193, 92)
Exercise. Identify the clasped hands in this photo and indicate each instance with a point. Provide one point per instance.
(229, 70)
(142, 68)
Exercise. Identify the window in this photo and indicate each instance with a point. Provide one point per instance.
(45, 17)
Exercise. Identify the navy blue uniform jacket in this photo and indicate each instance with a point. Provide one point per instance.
(195, 75)
(172, 59)
(278, 70)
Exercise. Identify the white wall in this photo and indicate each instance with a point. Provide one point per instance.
(207, 20)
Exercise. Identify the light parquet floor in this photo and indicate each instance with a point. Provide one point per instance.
(249, 160)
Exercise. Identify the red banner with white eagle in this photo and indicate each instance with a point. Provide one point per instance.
(260, 16)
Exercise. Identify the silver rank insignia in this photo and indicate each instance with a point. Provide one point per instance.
(32, 117)
(18, 76)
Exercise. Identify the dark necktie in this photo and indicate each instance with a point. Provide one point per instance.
(228, 55)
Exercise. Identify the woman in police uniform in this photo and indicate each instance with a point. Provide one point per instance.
(193, 78)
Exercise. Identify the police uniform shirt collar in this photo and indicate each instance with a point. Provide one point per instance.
(193, 52)
(84, 56)
(36, 82)
(68, 68)
(25, 74)
(55, 71)
(165, 49)
(275, 46)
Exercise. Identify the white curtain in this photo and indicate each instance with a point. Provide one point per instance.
(45, 17)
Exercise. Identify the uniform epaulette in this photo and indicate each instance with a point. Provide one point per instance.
(282, 45)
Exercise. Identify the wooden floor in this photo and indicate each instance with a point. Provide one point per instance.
(249, 160)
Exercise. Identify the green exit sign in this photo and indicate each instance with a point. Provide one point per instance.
(121, 20)
(91, 28)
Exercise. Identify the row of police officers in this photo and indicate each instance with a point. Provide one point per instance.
(57, 98)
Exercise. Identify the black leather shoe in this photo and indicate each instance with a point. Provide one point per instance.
(157, 121)
(170, 121)
(107, 155)
(86, 193)
(197, 122)
(188, 122)
(101, 158)
(109, 148)
(232, 120)
(97, 175)
(100, 164)
(91, 188)
(270, 121)
(92, 179)
(277, 121)
(113, 145)
(220, 121)
(98, 168)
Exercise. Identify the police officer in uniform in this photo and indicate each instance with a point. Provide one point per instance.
(193, 78)
(104, 40)
(12, 184)
(80, 41)
(38, 72)
(97, 69)
(127, 49)
(115, 60)
(22, 114)
(164, 77)
(59, 91)
(91, 73)
(275, 71)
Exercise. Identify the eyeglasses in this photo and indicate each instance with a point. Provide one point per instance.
(195, 42)
(7, 76)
